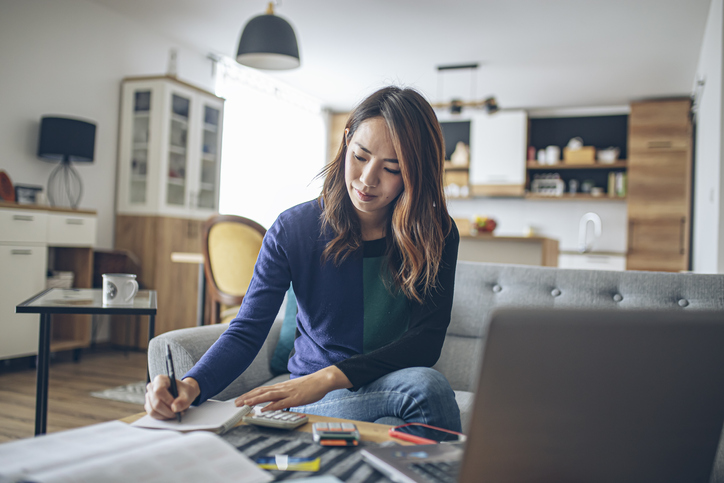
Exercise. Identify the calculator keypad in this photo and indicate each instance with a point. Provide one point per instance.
(277, 419)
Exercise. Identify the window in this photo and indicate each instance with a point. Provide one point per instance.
(274, 144)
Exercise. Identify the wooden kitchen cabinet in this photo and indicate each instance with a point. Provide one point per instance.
(659, 185)
(660, 125)
(153, 239)
(660, 243)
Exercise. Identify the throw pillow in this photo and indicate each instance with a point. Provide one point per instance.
(288, 332)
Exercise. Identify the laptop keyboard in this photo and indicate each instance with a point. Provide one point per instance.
(438, 472)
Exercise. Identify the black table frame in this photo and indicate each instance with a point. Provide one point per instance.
(43, 365)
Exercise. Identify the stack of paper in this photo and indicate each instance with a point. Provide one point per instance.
(117, 452)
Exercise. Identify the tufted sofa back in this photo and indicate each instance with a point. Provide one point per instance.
(482, 287)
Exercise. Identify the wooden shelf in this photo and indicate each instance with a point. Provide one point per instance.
(457, 168)
(621, 163)
(574, 197)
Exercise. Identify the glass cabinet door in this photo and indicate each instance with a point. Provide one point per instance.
(177, 151)
(139, 157)
(206, 198)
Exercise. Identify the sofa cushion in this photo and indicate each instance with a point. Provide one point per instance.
(465, 404)
(280, 357)
(481, 288)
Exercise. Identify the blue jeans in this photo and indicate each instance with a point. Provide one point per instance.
(412, 395)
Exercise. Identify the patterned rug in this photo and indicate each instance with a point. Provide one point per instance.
(344, 463)
(134, 393)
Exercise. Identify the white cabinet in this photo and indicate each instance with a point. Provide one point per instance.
(23, 270)
(33, 240)
(498, 145)
(592, 261)
(23, 258)
(169, 148)
(71, 230)
(26, 226)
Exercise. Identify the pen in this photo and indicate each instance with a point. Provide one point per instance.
(172, 376)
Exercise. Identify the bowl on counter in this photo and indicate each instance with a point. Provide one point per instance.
(607, 156)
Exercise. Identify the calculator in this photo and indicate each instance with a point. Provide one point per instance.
(335, 434)
(276, 419)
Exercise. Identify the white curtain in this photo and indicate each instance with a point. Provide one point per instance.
(274, 144)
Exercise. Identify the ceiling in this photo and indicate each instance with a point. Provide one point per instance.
(533, 54)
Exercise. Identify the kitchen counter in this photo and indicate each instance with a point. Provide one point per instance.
(593, 252)
(520, 250)
(592, 260)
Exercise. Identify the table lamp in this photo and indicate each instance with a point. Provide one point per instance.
(64, 139)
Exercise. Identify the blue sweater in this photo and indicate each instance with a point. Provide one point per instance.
(330, 317)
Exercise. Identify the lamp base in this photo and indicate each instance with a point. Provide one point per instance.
(65, 187)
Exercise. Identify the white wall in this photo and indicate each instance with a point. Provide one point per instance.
(708, 238)
(68, 57)
(552, 218)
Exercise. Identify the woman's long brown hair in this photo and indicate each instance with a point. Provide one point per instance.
(418, 222)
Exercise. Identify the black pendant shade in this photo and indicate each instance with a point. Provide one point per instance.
(268, 42)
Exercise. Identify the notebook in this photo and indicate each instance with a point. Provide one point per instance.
(214, 416)
(594, 396)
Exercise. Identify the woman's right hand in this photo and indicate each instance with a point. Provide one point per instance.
(160, 404)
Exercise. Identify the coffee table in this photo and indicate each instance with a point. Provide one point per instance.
(345, 462)
(73, 301)
(377, 433)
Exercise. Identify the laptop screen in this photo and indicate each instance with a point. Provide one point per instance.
(572, 395)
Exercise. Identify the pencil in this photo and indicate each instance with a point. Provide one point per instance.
(172, 376)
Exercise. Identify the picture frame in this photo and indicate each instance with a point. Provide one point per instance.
(27, 194)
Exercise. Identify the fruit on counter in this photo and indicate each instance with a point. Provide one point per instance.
(484, 224)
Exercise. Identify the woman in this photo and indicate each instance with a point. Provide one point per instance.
(372, 264)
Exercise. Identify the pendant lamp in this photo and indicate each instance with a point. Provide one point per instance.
(268, 42)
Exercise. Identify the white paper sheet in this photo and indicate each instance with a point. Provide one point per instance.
(217, 416)
(117, 452)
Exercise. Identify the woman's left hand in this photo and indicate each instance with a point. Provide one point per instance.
(296, 392)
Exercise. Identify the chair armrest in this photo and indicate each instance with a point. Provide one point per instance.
(188, 345)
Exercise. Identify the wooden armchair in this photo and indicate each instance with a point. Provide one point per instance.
(231, 247)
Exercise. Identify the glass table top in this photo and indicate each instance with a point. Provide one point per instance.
(85, 301)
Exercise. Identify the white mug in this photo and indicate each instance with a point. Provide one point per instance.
(553, 154)
(119, 288)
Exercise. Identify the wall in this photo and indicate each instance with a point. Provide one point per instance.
(708, 237)
(551, 218)
(68, 57)
(557, 219)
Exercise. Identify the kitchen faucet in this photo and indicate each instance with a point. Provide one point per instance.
(583, 245)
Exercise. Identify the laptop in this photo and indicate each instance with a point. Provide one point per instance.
(585, 396)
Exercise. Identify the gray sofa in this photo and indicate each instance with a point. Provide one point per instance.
(479, 289)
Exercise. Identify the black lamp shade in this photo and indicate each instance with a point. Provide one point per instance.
(64, 139)
(268, 42)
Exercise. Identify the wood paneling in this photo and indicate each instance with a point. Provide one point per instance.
(153, 239)
(659, 185)
(660, 125)
(497, 190)
(72, 331)
(660, 244)
(70, 404)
